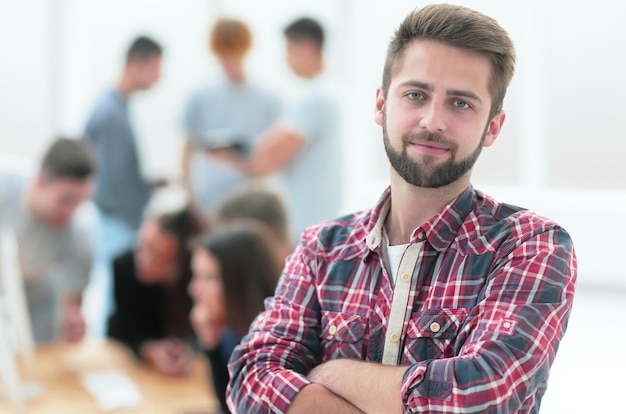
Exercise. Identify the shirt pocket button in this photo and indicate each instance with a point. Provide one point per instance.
(435, 327)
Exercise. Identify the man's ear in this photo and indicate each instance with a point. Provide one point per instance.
(494, 127)
(380, 106)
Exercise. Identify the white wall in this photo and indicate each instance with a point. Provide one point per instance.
(560, 153)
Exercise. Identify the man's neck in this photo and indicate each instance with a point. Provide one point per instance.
(125, 86)
(412, 206)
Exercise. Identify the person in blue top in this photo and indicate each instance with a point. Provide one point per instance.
(229, 113)
(122, 192)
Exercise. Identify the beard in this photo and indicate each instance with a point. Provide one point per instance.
(424, 173)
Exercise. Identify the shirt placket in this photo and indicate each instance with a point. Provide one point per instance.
(401, 294)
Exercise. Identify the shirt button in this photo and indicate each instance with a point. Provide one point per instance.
(394, 337)
(506, 325)
(435, 327)
(332, 330)
(420, 235)
(406, 277)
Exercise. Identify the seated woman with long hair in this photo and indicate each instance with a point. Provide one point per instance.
(234, 270)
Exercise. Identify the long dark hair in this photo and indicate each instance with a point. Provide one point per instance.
(248, 269)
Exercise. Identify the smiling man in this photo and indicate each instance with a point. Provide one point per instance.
(439, 299)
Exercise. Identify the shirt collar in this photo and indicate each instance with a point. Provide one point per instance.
(440, 230)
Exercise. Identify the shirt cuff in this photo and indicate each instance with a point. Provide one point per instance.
(413, 377)
(288, 383)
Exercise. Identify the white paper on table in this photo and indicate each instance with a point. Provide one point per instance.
(112, 389)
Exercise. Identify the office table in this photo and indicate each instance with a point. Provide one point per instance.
(59, 369)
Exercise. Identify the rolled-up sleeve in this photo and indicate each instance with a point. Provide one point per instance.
(269, 367)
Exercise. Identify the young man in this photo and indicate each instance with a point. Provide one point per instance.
(439, 299)
(54, 244)
(122, 192)
(304, 144)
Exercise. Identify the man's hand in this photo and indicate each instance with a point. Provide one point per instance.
(373, 388)
(316, 399)
(225, 156)
(73, 327)
(168, 356)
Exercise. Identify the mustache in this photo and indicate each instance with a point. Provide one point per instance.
(428, 136)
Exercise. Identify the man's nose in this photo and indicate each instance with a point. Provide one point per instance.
(433, 118)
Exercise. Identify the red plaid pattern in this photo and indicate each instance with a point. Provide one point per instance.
(492, 292)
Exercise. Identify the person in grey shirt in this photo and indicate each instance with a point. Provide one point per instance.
(304, 144)
(41, 210)
(229, 113)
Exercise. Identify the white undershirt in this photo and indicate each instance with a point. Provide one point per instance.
(392, 255)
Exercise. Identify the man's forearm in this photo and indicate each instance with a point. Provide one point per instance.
(373, 388)
(316, 399)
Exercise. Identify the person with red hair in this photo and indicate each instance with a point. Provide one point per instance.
(228, 113)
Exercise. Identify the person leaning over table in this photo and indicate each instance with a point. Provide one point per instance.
(47, 210)
(439, 299)
(150, 281)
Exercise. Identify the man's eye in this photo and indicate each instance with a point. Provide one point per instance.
(415, 96)
(461, 104)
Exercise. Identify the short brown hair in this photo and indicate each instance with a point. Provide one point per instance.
(256, 203)
(306, 28)
(460, 27)
(143, 48)
(230, 37)
(68, 158)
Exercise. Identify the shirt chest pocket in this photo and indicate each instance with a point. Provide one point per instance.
(342, 335)
(433, 334)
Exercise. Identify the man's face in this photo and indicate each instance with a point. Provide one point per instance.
(147, 72)
(435, 117)
(58, 198)
(298, 55)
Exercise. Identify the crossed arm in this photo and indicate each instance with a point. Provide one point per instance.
(506, 347)
(350, 386)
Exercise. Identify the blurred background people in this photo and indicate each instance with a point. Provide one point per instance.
(229, 113)
(41, 209)
(258, 202)
(305, 143)
(233, 272)
(150, 283)
(122, 191)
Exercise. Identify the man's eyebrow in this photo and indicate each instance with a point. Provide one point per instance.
(466, 94)
(417, 84)
(429, 87)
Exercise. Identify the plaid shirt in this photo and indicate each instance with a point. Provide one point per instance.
(490, 294)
